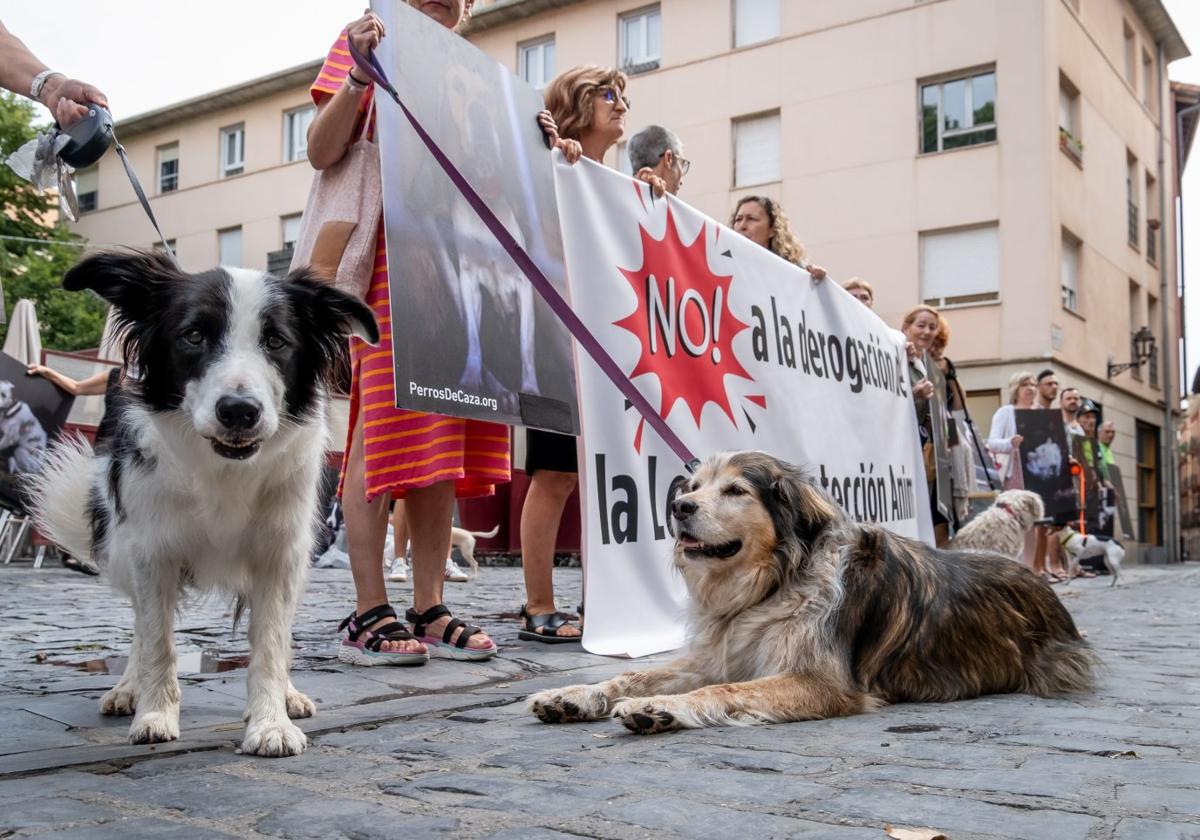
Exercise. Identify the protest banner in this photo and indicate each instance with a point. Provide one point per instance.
(739, 350)
(32, 413)
(470, 337)
(1045, 461)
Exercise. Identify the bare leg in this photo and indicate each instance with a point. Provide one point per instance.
(783, 697)
(366, 533)
(400, 528)
(540, 518)
(430, 510)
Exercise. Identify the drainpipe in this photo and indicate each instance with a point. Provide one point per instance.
(1168, 349)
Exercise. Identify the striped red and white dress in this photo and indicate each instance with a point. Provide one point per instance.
(406, 450)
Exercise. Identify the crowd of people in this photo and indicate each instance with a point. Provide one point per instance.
(411, 467)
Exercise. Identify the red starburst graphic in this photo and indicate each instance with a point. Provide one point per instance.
(683, 323)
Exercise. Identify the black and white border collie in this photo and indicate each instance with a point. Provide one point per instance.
(210, 479)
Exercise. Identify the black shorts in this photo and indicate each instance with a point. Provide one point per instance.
(550, 451)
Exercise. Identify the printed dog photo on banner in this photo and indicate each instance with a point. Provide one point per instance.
(471, 337)
(32, 413)
(1045, 460)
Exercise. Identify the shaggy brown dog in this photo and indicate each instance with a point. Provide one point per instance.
(1001, 528)
(797, 613)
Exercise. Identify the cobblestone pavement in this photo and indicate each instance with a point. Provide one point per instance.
(447, 750)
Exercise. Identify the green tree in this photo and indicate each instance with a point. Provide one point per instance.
(35, 251)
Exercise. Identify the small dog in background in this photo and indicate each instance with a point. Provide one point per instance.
(1002, 527)
(464, 541)
(1079, 546)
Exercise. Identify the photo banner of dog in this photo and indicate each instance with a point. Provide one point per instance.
(32, 413)
(470, 336)
(737, 349)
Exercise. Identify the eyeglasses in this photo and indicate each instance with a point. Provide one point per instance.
(611, 95)
(684, 163)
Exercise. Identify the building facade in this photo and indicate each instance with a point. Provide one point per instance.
(1006, 160)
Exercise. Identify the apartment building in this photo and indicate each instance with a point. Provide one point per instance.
(1010, 161)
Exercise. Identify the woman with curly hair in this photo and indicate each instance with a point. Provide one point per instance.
(588, 104)
(762, 220)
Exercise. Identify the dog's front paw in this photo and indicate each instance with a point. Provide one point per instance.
(645, 716)
(273, 738)
(154, 728)
(569, 705)
(299, 706)
(118, 701)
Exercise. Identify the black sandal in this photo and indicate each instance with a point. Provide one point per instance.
(362, 646)
(544, 628)
(77, 565)
(443, 646)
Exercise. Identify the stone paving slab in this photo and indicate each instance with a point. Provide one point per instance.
(447, 750)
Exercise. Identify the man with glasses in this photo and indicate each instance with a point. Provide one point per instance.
(655, 152)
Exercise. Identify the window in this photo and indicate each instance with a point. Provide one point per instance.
(168, 168)
(1131, 199)
(87, 189)
(1135, 322)
(233, 150)
(641, 40)
(291, 229)
(960, 266)
(295, 132)
(756, 150)
(1152, 320)
(229, 246)
(1130, 56)
(1069, 135)
(1149, 80)
(158, 246)
(958, 112)
(1071, 258)
(535, 61)
(1151, 224)
(755, 21)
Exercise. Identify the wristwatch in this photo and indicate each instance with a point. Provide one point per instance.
(39, 82)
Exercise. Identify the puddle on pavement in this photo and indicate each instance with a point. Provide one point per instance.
(188, 662)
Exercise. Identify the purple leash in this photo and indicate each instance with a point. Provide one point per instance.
(370, 65)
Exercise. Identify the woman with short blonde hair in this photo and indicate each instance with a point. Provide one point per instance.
(862, 291)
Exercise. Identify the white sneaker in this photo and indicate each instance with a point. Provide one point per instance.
(398, 570)
(454, 573)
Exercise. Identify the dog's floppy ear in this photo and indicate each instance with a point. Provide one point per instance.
(328, 311)
(129, 280)
(813, 513)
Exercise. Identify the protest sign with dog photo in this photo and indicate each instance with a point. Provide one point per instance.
(1045, 461)
(32, 413)
(470, 336)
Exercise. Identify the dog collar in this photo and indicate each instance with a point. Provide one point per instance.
(1004, 507)
(12, 410)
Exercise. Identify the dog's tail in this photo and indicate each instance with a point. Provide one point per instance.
(487, 535)
(1061, 667)
(60, 496)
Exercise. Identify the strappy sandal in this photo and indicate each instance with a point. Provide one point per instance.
(443, 646)
(544, 628)
(362, 646)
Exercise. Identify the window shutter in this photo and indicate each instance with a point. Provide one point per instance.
(756, 150)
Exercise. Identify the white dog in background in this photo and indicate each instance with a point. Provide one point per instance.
(1002, 527)
(1079, 546)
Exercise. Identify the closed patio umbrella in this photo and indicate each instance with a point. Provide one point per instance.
(24, 341)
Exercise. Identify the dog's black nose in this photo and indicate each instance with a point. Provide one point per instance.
(683, 508)
(238, 413)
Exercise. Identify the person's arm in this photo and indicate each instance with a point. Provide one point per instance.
(332, 129)
(95, 384)
(1000, 436)
(66, 98)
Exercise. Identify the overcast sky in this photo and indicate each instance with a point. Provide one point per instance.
(162, 52)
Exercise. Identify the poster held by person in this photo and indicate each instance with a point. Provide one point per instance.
(1045, 462)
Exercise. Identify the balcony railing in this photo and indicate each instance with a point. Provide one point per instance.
(1136, 371)
(1133, 223)
(1151, 242)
